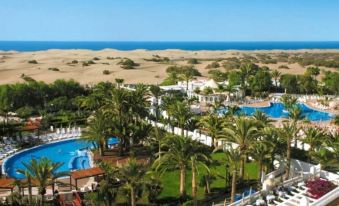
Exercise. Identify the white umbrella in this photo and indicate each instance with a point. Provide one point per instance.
(51, 128)
(58, 131)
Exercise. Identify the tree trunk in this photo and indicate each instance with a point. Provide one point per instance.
(194, 185)
(288, 160)
(182, 183)
(234, 185)
(208, 186)
(182, 132)
(101, 149)
(133, 201)
(42, 200)
(260, 169)
(242, 168)
(29, 191)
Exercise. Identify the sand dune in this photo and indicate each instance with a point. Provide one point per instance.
(14, 64)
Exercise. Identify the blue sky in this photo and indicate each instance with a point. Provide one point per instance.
(169, 20)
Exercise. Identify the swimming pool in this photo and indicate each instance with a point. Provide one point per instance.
(277, 110)
(72, 153)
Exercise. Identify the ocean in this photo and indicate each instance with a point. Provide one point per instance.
(194, 46)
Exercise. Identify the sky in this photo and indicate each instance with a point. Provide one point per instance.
(169, 20)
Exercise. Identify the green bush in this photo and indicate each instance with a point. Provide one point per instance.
(106, 72)
(213, 65)
(193, 61)
(54, 69)
(283, 67)
(74, 62)
(96, 58)
(127, 64)
(33, 61)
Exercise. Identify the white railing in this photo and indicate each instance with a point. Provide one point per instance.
(328, 198)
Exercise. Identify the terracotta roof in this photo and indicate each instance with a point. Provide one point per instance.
(87, 173)
(7, 183)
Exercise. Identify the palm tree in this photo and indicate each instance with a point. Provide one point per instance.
(133, 175)
(242, 132)
(118, 106)
(182, 114)
(119, 82)
(271, 134)
(213, 125)
(295, 114)
(44, 171)
(288, 133)
(288, 101)
(187, 76)
(156, 92)
(177, 154)
(233, 157)
(314, 137)
(28, 175)
(198, 157)
(276, 75)
(260, 151)
(262, 119)
(98, 130)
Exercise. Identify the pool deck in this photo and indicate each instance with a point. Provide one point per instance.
(265, 103)
(311, 104)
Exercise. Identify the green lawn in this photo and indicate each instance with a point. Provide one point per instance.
(170, 180)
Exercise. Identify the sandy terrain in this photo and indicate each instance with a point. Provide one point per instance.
(14, 64)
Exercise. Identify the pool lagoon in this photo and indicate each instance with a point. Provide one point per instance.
(73, 153)
(277, 110)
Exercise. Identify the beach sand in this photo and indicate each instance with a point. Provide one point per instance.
(14, 64)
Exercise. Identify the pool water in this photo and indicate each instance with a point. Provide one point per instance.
(72, 153)
(277, 110)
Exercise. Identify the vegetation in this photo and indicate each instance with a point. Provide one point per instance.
(193, 61)
(33, 61)
(106, 72)
(54, 69)
(127, 64)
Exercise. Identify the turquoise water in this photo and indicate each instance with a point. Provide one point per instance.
(125, 45)
(277, 110)
(72, 153)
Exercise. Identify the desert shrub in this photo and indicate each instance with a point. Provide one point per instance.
(33, 61)
(87, 63)
(127, 64)
(27, 78)
(193, 61)
(96, 58)
(74, 62)
(213, 65)
(106, 72)
(54, 69)
(283, 67)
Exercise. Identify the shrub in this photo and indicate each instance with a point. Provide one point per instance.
(33, 61)
(127, 64)
(213, 65)
(283, 67)
(74, 62)
(106, 72)
(96, 58)
(27, 78)
(87, 63)
(319, 187)
(54, 69)
(193, 61)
